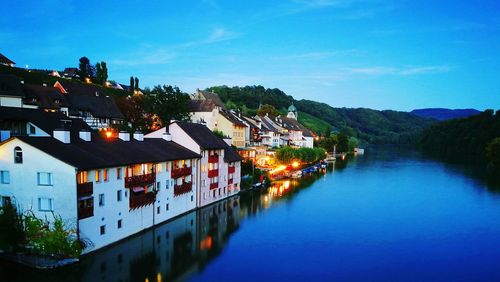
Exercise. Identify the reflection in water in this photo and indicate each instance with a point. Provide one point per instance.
(172, 251)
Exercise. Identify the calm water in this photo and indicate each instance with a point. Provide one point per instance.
(385, 216)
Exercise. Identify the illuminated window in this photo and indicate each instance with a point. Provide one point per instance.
(167, 164)
(105, 174)
(81, 177)
(203, 168)
(97, 176)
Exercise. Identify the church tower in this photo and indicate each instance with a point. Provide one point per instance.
(292, 112)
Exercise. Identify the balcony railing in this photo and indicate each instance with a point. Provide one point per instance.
(183, 188)
(141, 199)
(140, 180)
(180, 172)
(84, 189)
(213, 159)
(231, 169)
(85, 212)
(213, 173)
(214, 186)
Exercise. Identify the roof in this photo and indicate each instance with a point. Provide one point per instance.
(232, 118)
(47, 121)
(100, 153)
(230, 155)
(292, 108)
(44, 97)
(10, 85)
(202, 135)
(201, 105)
(5, 60)
(291, 124)
(90, 98)
(72, 72)
(201, 94)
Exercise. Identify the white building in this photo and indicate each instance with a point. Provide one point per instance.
(220, 165)
(106, 189)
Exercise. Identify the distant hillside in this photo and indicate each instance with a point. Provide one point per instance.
(444, 114)
(315, 124)
(372, 126)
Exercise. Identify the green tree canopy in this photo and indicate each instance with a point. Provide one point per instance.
(268, 109)
(168, 103)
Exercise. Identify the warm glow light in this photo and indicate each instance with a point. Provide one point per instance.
(287, 184)
(295, 164)
(278, 169)
(158, 277)
(87, 80)
(109, 134)
(206, 244)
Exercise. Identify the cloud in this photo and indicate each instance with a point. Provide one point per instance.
(404, 71)
(221, 34)
(317, 54)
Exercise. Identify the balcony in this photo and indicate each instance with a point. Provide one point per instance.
(140, 180)
(214, 186)
(141, 199)
(85, 212)
(181, 171)
(213, 173)
(183, 188)
(84, 189)
(231, 169)
(213, 159)
(230, 181)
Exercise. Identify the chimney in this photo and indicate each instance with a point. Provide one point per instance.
(138, 136)
(124, 135)
(62, 135)
(167, 136)
(85, 135)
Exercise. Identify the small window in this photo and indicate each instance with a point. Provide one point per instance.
(4, 177)
(101, 200)
(103, 229)
(82, 177)
(45, 204)
(157, 210)
(158, 185)
(32, 129)
(4, 201)
(105, 174)
(44, 178)
(166, 207)
(119, 173)
(119, 195)
(97, 176)
(119, 224)
(192, 198)
(214, 194)
(18, 155)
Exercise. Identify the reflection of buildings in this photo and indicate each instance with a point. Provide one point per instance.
(172, 251)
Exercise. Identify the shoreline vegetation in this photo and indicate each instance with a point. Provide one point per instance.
(35, 242)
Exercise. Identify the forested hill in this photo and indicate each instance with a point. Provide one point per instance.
(372, 126)
(445, 114)
(476, 138)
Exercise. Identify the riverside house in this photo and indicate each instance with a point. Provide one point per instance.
(107, 189)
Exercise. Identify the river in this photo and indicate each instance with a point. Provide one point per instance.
(390, 215)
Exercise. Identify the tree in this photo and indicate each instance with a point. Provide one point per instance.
(133, 108)
(267, 109)
(104, 68)
(85, 70)
(493, 152)
(98, 73)
(219, 133)
(343, 143)
(168, 103)
(132, 83)
(136, 86)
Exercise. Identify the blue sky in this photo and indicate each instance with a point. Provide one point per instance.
(348, 53)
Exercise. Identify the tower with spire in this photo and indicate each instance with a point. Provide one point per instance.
(292, 112)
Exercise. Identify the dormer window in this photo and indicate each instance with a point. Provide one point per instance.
(18, 155)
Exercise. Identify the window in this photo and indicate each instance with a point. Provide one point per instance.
(158, 167)
(166, 207)
(45, 204)
(203, 183)
(4, 201)
(119, 173)
(167, 164)
(32, 129)
(44, 178)
(204, 195)
(101, 200)
(166, 184)
(192, 198)
(203, 168)
(18, 155)
(82, 177)
(157, 210)
(4, 177)
(105, 174)
(214, 193)
(103, 229)
(97, 176)
(119, 223)
(158, 185)
(119, 195)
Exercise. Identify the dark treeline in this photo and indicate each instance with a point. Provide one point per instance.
(371, 126)
(476, 139)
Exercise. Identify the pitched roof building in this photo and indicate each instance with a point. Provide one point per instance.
(6, 61)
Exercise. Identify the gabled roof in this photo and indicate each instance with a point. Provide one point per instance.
(46, 121)
(232, 118)
(10, 85)
(230, 155)
(201, 105)
(5, 60)
(90, 98)
(100, 153)
(70, 72)
(202, 135)
(291, 124)
(206, 95)
(46, 97)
